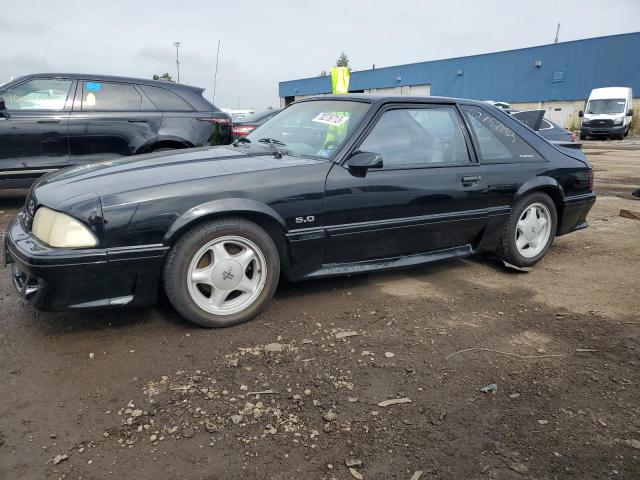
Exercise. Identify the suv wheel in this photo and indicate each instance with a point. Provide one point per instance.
(222, 272)
(530, 230)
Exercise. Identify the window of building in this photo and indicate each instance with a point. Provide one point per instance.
(421, 136)
(98, 96)
(166, 100)
(497, 142)
(38, 94)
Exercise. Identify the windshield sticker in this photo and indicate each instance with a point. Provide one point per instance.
(92, 86)
(331, 118)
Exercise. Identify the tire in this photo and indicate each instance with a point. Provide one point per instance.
(512, 250)
(583, 136)
(216, 252)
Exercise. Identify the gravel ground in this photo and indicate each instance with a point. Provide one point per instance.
(632, 142)
(300, 391)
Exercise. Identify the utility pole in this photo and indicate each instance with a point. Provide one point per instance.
(177, 45)
(557, 33)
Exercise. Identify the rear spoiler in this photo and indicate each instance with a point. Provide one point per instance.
(575, 145)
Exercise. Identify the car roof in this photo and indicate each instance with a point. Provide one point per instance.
(113, 78)
(391, 98)
(609, 93)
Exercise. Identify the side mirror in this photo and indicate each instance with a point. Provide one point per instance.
(629, 113)
(581, 114)
(2, 104)
(364, 161)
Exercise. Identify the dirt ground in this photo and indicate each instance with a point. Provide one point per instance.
(144, 395)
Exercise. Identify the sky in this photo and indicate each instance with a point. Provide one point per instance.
(264, 42)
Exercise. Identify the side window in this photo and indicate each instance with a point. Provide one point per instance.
(38, 94)
(421, 136)
(545, 125)
(98, 96)
(166, 100)
(496, 140)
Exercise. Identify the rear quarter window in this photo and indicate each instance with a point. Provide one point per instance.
(166, 100)
(497, 142)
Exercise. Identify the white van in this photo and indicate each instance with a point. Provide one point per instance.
(608, 113)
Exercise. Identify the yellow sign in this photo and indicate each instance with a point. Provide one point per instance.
(340, 79)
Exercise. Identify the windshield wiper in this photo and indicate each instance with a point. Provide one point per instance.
(272, 143)
(241, 140)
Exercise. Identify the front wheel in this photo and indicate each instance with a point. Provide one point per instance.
(222, 272)
(530, 230)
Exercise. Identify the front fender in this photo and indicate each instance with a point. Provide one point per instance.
(223, 206)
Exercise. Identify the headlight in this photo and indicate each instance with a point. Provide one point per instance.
(585, 121)
(62, 231)
(618, 121)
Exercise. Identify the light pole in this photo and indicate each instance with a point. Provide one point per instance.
(177, 45)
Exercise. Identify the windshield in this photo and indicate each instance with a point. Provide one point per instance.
(311, 129)
(606, 106)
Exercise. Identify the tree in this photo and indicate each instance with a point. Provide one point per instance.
(343, 61)
(164, 76)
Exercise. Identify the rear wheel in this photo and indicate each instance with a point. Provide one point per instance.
(530, 230)
(222, 272)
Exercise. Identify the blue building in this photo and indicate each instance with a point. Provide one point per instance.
(557, 77)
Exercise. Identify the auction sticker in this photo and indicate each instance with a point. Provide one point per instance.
(330, 118)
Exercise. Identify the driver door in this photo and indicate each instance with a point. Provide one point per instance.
(429, 195)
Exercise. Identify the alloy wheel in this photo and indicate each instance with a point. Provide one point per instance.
(226, 275)
(533, 230)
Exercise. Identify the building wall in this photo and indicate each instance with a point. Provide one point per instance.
(567, 71)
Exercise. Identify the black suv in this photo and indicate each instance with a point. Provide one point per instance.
(50, 121)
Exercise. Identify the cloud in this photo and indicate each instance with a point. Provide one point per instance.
(266, 42)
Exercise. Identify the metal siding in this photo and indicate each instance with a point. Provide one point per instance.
(509, 75)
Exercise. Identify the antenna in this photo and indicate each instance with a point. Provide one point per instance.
(557, 33)
(215, 77)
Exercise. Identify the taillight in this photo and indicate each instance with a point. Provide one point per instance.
(573, 136)
(217, 121)
(590, 179)
(242, 130)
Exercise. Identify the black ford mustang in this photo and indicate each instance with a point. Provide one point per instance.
(329, 186)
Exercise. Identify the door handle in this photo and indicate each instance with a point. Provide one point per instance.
(53, 120)
(468, 180)
(137, 120)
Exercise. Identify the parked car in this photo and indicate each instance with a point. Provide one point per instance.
(535, 120)
(249, 123)
(333, 185)
(608, 113)
(50, 121)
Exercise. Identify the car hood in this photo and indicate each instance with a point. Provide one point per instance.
(155, 170)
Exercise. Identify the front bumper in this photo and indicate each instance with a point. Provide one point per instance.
(56, 279)
(594, 131)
